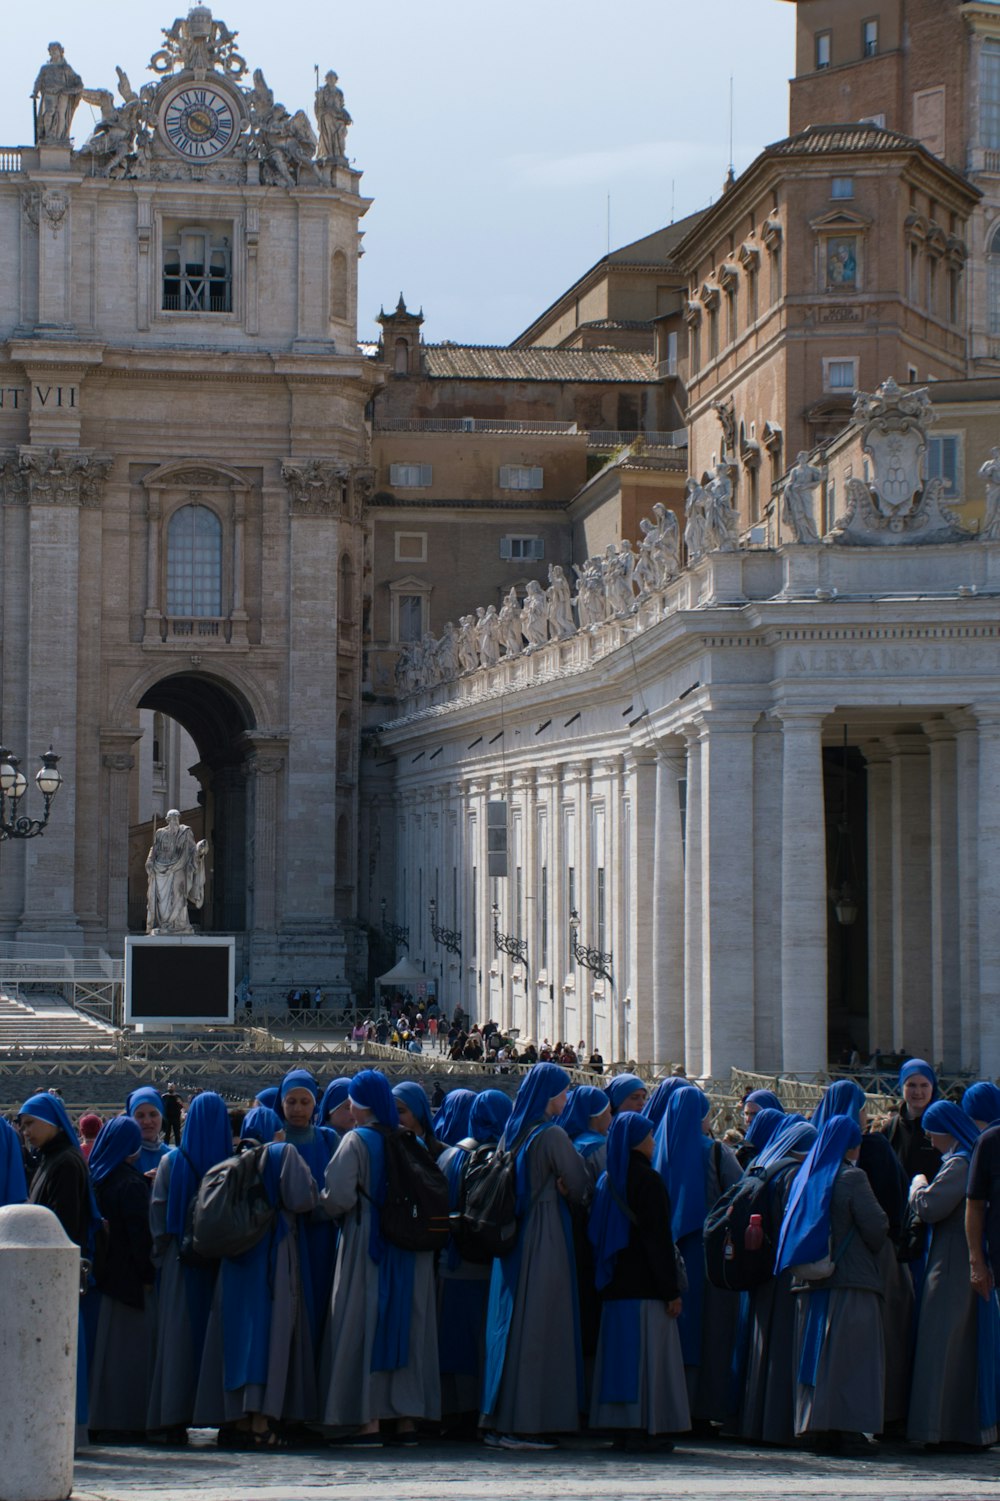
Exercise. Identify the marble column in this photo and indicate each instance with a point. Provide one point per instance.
(263, 768)
(911, 884)
(117, 762)
(967, 808)
(727, 890)
(803, 893)
(880, 900)
(988, 822)
(693, 1040)
(666, 909)
(946, 998)
(767, 894)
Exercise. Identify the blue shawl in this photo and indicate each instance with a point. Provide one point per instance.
(763, 1128)
(489, 1115)
(117, 1139)
(766, 1099)
(583, 1104)
(842, 1098)
(207, 1139)
(451, 1124)
(945, 1118)
(609, 1225)
(797, 1135)
(981, 1102)
(13, 1185)
(805, 1229)
(657, 1103)
(679, 1152)
(334, 1096)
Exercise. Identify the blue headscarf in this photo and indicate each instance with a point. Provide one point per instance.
(268, 1097)
(583, 1104)
(146, 1095)
(765, 1099)
(50, 1108)
(13, 1186)
(117, 1139)
(296, 1078)
(679, 1153)
(334, 1096)
(261, 1124)
(207, 1139)
(842, 1098)
(657, 1102)
(451, 1124)
(945, 1118)
(763, 1128)
(918, 1066)
(541, 1083)
(620, 1087)
(414, 1097)
(796, 1135)
(370, 1089)
(805, 1229)
(609, 1225)
(981, 1102)
(490, 1113)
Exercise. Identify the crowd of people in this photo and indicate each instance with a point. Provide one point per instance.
(873, 1309)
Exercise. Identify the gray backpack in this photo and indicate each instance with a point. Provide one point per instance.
(231, 1210)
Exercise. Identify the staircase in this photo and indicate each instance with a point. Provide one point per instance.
(48, 1022)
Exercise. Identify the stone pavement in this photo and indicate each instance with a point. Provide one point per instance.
(461, 1472)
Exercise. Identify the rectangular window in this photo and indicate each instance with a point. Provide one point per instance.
(672, 353)
(474, 911)
(197, 268)
(600, 894)
(518, 901)
(713, 333)
(411, 617)
(751, 295)
(989, 94)
(730, 316)
(543, 919)
(823, 52)
(842, 187)
(869, 38)
(522, 549)
(520, 476)
(840, 375)
(944, 462)
(410, 476)
(411, 547)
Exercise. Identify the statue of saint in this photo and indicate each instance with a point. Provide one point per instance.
(175, 867)
(58, 90)
(797, 509)
(333, 120)
(559, 605)
(990, 471)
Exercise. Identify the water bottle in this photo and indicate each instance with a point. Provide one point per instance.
(753, 1238)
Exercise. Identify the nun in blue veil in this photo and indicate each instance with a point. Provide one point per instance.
(257, 1368)
(639, 1388)
(586, 1120)
(831, 1235)
(981, 1103)
(955, 1393)
(414, 1110)
(464, 1286)
(766, 1378)
(656, 1105)
(451, 1124)
(379, 1358)
(299, 1109)
(184, 1290)
(533, 1382)
(335, 1107)
(121, 1368)
(145, 1106)
(762, 1127)
(626, 1092)
(697, 1171)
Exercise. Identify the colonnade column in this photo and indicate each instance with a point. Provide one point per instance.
(118, 762)
(911, 886)
(727, 890)
(967, 814)
(988, 823)
(667, 909)
(529, 917)
(803, 893)
(879, 790)
(263, 767)
(946, 998)
(693, 1041)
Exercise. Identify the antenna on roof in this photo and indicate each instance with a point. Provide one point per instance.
(731, 172)
(609, 224)
(673, 184)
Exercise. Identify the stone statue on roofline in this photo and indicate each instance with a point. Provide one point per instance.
(559, 605)
(797, 499)
(533, 621)
(722, 528)
(488, 636)
(57, 91)
(468, 650)
(696, 522)
(990, 471)
(511, 636)
(666, 542)
(332, 121)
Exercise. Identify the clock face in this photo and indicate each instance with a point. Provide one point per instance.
(200, 121)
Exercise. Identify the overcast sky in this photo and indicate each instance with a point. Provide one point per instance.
(490, 135)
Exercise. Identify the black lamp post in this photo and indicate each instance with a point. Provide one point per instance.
(13, 784)
(397, 936)
(448, 938)
(595, 960)
(506, 943)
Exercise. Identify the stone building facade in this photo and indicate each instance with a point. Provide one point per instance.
(184, 467)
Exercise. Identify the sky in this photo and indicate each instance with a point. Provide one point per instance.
(496, 140)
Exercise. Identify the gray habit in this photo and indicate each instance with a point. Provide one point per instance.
(178, 1359)
(122, 1366)
(351, 1393)
(710, 1383)
(662, 1403)
(289, 1392)
(537, 1392)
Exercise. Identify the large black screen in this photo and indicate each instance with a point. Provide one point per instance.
(180, 982)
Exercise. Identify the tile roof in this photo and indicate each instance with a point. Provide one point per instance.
(816, 140)
(498, 362)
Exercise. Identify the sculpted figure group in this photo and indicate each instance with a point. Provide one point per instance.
(609, 587)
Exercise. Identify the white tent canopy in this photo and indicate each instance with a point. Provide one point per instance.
(404, 973)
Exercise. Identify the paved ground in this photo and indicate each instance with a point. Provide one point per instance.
(471, 1473)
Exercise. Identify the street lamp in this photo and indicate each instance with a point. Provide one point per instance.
(593, 959)
(448, 938)
(14, 784)
(397, 936)
(506, 943)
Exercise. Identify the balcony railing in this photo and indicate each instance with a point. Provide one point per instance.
(623, 437)
(10, 159)
(470, 425)
(193, 628)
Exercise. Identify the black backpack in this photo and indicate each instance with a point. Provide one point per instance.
(231, 1211)
(414, 1216)
(485, 1223)
(730, 1263)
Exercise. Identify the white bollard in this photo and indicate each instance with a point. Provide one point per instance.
(39, 1311)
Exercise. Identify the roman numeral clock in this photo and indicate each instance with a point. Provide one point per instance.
(199, 121)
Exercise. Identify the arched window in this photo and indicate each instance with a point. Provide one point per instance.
(993, 282)
(194, 563)
(402, 363)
